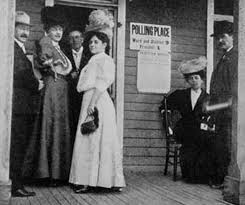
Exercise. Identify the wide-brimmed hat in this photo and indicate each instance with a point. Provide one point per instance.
(22, 17)
(52, 16)
(193, 66)
(222, 27)
(101, 21)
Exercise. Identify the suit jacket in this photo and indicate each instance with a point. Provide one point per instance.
(25, 84)
(68, 53)
(222, 85)
(223, 78)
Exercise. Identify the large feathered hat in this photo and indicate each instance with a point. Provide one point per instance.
(52, 16)
(102, 21)
(193, 66)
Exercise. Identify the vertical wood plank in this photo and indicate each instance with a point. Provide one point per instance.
(7, 11)
(210, 43)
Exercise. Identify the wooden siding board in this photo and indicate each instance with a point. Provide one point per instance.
(152, 116)
(143, 160)
(144, 98)
(134, 106)
(144, 152)
(142, 124)
(144, 134)
(147, 142)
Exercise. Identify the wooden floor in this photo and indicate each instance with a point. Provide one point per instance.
(142, 189)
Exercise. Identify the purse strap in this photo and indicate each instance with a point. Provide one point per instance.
(92, 117)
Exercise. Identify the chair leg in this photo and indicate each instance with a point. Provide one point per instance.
(175, 163)
(166, 162)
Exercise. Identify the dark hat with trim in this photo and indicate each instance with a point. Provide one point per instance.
(193, 66)
(76, 28)
(222, 27)
(53, 16)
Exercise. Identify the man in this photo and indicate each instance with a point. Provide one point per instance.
(24, 86)
(221, 91)
(75, 55)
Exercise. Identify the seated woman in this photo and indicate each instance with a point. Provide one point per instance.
(195, 160)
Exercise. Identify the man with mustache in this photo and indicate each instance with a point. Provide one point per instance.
(76, 55)
(221, 91)
(24, 86)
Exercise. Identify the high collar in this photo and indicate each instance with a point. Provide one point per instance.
(20, 44)
(196, 91)
(55, 44)
(79, 51)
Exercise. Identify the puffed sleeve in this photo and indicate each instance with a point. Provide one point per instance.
(87, 77)
(105, 74)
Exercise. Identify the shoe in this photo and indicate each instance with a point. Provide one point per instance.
(22, 193)
(117, 189)
(81, 189)
(217, 186)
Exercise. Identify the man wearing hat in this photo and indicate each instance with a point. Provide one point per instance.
(76, 55)
(195, 160)
(24, 86)
(221, 91)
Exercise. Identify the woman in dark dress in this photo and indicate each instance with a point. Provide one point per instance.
(49, 153)
(196, 149)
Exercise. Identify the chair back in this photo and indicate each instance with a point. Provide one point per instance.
(169, 118)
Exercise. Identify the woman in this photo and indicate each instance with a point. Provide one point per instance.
(195, 153)
(97, 157)
(49, 153)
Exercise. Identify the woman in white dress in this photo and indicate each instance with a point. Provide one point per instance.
(97, 157)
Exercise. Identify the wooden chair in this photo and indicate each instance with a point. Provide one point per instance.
(172, 147)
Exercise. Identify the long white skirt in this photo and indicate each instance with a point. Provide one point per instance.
(97, 158)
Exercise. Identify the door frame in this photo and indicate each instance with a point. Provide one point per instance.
(119, 46)
(211, 18)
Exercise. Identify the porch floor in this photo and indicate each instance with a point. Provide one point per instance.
(142, 189)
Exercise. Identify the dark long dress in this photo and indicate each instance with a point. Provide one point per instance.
(49, 153)
(196, 150)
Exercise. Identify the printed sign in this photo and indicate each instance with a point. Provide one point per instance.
(154, 71)
(150, 37)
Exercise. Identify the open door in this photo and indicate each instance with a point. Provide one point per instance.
(218, 10)
(78, 11)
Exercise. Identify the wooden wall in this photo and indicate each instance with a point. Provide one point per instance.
(144, 140)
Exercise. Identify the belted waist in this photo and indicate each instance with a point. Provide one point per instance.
(57, 75)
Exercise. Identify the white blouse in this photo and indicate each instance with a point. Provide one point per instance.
(98, 73)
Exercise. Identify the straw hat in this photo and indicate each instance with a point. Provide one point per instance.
(193, 66)
(22, 17)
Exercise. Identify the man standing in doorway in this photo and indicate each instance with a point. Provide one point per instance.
(221, 91)
(24, 85)
(75, 55)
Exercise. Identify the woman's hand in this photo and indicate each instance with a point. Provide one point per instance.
(90, 109)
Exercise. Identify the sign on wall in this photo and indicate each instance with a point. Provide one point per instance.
(153, 73)
(154, 56)
(150, 37)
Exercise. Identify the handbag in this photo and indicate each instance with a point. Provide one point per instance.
(91, 123)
